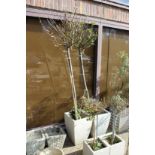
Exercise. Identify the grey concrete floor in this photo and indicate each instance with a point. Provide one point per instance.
(70, 149)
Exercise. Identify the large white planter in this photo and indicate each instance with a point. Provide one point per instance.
(87, 150)
(101, 123)
(78, 130)
(117, 148)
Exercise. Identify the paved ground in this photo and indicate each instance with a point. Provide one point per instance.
(70, 149)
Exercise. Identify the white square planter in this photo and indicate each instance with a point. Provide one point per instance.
(35, 140)
(117, 148)
(101, 123)
(78, 130)
(87, 150)
(55, 136)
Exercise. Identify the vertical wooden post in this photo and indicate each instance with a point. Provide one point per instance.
(98, 61)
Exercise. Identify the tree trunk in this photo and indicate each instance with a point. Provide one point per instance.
(83, 73)
(114, 119)
(94, 130)
(69, 62)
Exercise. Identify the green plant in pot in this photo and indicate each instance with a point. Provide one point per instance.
(118, 102)
(116, 143)
(95, 145)
(120, 87)
(117, 105)
(85, 38)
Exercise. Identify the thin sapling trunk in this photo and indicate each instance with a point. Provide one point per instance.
(83, 73)
(69, 62)
(114, 119)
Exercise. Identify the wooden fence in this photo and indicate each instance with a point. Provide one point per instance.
(88, 8)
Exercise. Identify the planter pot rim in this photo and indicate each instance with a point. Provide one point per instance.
(36, 139)
(78, 120)
(103, 112)
(103, 138)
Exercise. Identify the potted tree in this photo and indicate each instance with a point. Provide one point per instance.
(118, 102)
(120, 83)
(84, 39)
(64, 34)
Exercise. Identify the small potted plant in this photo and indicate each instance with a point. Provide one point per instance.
(120, 83)
(116, 143)
(95, 146)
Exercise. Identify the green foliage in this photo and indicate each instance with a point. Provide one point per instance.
(96, 145)
(85, 36)
(120, 86)
(118, 103)
(88, 108)
(111, 141)
(91, 106)
(120, 83)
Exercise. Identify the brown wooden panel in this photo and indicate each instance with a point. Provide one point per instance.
(48, 84)
(118, 41)
(113, 42)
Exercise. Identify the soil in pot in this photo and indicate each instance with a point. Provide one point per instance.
(110, 140)
(97, 145)
(80, 113)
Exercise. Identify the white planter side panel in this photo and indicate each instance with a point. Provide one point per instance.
(123, 124)
(78, 130)
(117, 149)
(101, 123)
(88, 151)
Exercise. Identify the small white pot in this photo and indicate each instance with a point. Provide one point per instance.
(115, 149)
(87, 150)
(78, 130)
(101, 123)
